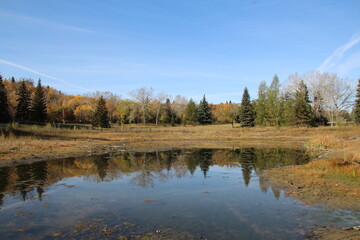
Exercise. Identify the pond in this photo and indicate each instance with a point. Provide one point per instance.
(177, 194)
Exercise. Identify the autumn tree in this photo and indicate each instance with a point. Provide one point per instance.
(302, 108)
(247, 113)
(357, 105)
(124, 111)
(38, 105)
(22, 113)
(83, 113)
(226, 113)
(190, 113)
(204, 114)
(100, 117)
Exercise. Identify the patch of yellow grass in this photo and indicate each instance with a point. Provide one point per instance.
(322, 142)
(339, 169)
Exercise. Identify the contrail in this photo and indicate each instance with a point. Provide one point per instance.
(41, 74)
(338, 54)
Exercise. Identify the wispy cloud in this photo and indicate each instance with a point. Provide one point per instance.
(334, 60)
(30, 20)
(42, 74)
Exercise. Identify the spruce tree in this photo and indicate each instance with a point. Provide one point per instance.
(191, 113)
(23, 106)
(168, 112)
(38, 105)
(204, 115)
(357, 105)
(100, 117)
(4, 104)
(302, 108)
(318, 110)
(247, 113)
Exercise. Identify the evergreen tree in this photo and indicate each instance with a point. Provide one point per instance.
(4, 104)
(247, 113)
(191, 113)
(318, 110)
(204, 115)
(288, 114)
(260, 104)
(23, 107)
(38, 106)
(169, 116)
(357, 105)
(100, 117)
(273, 100)
(302, 108)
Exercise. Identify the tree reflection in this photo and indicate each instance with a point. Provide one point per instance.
(247, 162)
(144, 177)
(39, 173)
(204, 160)
(101, 162)
(4, 175)
(144, 169)
(24, 180)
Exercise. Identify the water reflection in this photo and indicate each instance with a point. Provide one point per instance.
(28, 182)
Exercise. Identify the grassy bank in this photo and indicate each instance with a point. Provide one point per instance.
(332, 178)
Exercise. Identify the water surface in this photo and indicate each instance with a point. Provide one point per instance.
(178, 194)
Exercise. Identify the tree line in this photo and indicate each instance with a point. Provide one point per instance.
(311, 99)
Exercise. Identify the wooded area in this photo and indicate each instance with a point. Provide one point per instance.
(309, 99)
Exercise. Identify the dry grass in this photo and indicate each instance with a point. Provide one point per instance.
(348, 170)
(29, 141)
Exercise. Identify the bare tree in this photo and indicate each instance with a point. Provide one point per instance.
(143, 96)
(338, 94)
(159, 100)
(179, 105)
(327, 91)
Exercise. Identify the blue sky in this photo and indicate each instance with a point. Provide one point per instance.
(187, 47)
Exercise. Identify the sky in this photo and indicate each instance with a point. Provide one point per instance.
(180, 47)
